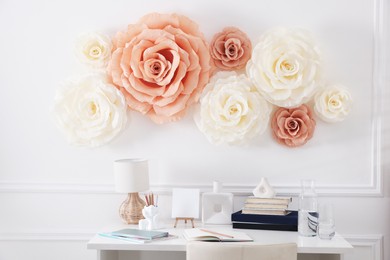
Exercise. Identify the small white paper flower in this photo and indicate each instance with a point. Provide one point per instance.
(231, 110)
(94, 49)
(285, 67)
(91, 112)
(333, 104)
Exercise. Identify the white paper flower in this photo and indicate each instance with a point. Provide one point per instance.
(333, 104)
(94, 49)
(90, 112)
(285, 67)
(231, 110)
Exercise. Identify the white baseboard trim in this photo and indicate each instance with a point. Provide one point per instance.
(372, 241)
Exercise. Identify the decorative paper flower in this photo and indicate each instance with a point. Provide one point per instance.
(91, 112)
(293, 127)
(230, 49)
(94, 49)
(285, 67)
(232, 110)
(333, 104)
(161, 65)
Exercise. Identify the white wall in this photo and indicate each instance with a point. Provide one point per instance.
(54, 197)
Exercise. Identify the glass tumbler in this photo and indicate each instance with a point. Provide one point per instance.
(326, 224)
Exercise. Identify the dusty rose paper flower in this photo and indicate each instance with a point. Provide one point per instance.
(161, 64)
(230, 49)
(293, 127)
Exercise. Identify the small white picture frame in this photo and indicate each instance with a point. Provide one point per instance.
(185, 203)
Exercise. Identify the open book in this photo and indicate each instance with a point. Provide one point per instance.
(216, 235)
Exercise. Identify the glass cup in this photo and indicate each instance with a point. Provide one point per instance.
(326, 225)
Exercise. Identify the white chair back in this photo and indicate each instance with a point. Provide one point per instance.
(240, 251)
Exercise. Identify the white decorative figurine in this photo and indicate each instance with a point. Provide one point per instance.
(151, 218)
(264, 189)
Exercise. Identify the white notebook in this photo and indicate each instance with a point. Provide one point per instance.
(211, 234)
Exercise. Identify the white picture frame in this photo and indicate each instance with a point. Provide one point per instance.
(185, 203)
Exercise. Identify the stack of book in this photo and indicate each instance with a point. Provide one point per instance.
(266, 206)
(287, 222)
(136, 236)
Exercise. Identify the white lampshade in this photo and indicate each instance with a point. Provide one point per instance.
(131, 175)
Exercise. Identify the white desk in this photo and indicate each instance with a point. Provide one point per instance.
(311, 248)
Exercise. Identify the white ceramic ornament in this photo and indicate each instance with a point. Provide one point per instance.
(151, 220)
(217, 206)
(264, 189)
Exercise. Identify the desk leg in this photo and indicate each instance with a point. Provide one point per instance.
(107, 255)
(320, 257)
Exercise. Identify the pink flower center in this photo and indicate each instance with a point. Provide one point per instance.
(155, 68)
(232, 49)
(292, 125)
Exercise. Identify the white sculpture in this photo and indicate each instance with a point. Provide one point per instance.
(217, 206)
(151, 220)
(264, 189)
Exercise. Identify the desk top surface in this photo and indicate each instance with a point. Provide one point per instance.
(337, 245)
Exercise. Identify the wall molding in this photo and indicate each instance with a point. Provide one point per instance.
(378, 87)
(165, 189)
(374, 242)
(47, 236)
(54, 187)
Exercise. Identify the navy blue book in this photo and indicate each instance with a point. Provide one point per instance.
(279, 227)
(289, 219)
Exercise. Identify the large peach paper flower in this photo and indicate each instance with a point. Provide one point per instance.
(293, 127)
(285, 67)
(161, 64)
(230, 49)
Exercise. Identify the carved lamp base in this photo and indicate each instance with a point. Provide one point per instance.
(131, 209)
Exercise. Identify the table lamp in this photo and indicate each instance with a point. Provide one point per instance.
(131, 176)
